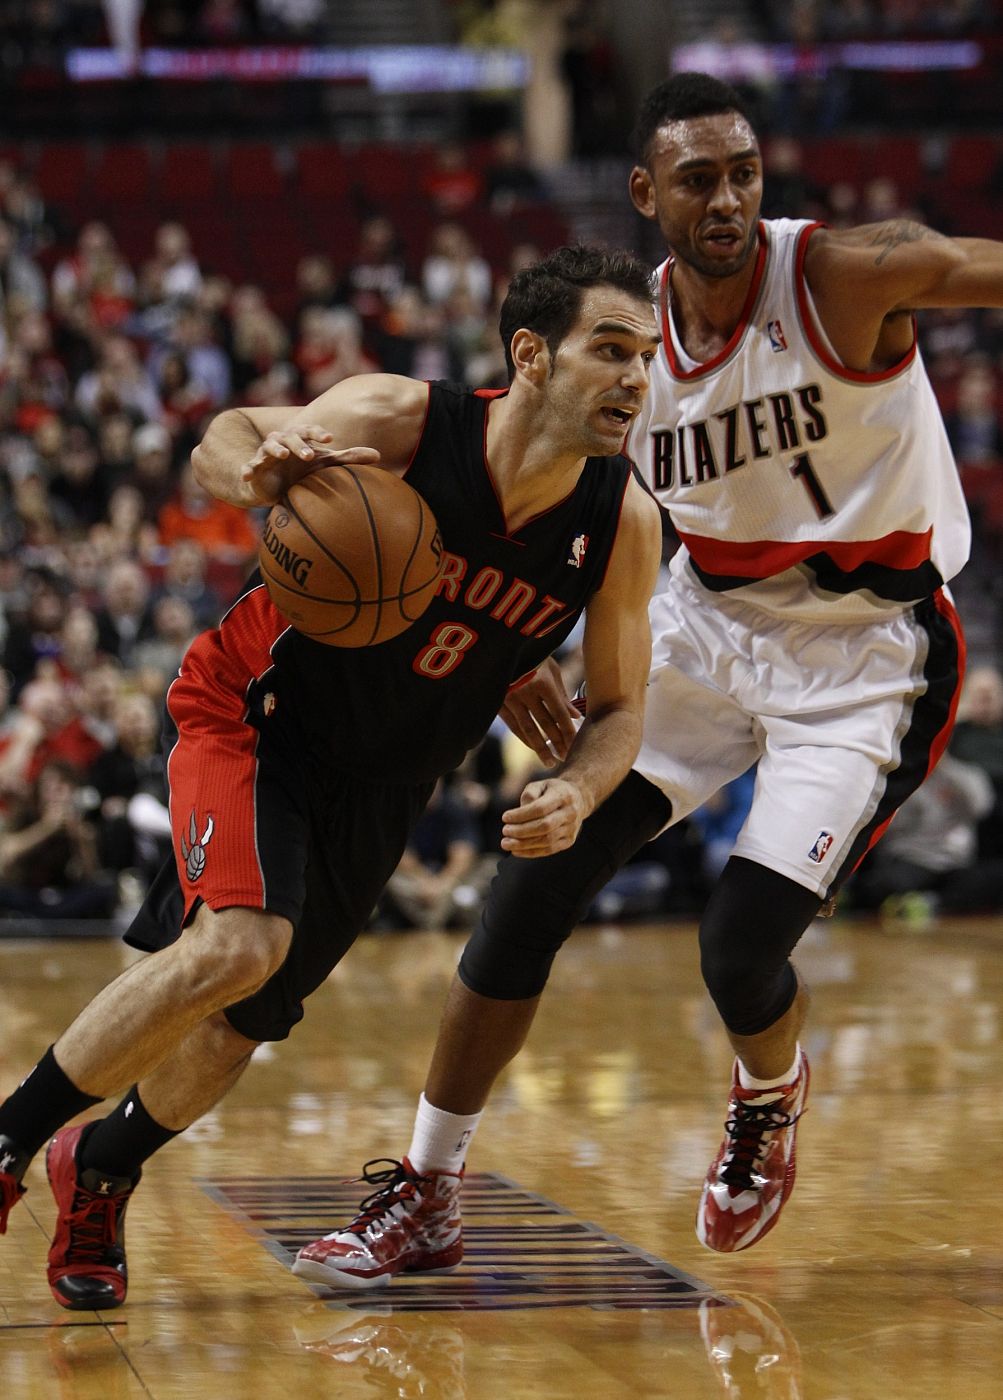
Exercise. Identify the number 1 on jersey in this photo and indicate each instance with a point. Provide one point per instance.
(802, 468)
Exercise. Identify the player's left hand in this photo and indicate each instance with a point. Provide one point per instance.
(548, 819)
(286, 457)
(540, 713)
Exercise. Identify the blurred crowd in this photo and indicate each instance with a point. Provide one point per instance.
(112, 557)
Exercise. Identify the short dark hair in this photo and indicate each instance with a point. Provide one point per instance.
(546, 297)
(677, 99)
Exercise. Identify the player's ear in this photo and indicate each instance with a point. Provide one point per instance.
(642, 191)
(530, 355)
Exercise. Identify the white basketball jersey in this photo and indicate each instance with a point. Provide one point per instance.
(794, 483)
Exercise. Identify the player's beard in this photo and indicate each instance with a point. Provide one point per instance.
(686, 251)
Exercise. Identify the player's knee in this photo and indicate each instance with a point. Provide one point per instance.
(224, 1046)
(749, 993)
(750, 926)
(230, 953)
(510, 952)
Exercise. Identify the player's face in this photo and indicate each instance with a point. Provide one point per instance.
(703, 183)
(599, 373)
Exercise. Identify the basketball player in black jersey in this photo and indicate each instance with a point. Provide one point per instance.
(295, 771)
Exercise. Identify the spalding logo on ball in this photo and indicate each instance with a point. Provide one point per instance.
(351, 555)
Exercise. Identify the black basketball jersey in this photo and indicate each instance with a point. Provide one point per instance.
(409, 709)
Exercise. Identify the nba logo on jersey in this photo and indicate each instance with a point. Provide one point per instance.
(820, 850)
(776, 333)
(578, 547)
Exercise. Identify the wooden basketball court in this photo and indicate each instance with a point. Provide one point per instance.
(583, 1275)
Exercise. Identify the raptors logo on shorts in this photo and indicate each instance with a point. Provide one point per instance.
(193, 850)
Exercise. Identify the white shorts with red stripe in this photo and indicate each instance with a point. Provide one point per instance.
(844, 721)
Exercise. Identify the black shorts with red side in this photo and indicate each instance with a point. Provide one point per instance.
(312, 844)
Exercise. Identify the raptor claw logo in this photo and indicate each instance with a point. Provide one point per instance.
(193, 850)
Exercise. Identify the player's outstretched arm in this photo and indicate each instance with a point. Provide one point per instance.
(251, 456)
(617, 651)
(866, 281)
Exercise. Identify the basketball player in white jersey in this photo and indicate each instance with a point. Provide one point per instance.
(793, 435)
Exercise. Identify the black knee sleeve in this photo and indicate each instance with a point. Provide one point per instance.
(533, 905)
(752, 922)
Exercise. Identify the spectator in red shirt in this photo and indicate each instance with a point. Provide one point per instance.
(89, 725)
(452, 184)
(226, 533)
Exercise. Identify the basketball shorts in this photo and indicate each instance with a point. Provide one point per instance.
(843, 721)
(259, 826)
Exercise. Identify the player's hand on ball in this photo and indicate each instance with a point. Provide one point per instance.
(541, 715)
(286, 457)
(548, 819)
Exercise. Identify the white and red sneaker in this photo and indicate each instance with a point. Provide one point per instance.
(753, 1174)
(13, 1163)
(751, 1350)
(393, 1353)
(412, 1224)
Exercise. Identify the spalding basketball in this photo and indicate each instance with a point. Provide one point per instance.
(351, 555)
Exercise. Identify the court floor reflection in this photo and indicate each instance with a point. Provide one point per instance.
(884, 1281)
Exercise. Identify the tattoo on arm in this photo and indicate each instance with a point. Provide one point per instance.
(892, 235)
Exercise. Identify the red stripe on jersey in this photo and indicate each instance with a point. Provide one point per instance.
(213, 765)
(743, 320)
(754, 559)
(810, 327)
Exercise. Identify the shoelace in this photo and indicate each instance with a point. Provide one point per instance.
(746, 1129)
(93, 1226)
(394, 1183)
(11, 1192)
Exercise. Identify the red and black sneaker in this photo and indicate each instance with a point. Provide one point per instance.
(87, 1267)
(13, 1163)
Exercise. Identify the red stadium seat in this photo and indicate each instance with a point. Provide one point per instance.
(323, 169)
(251, 171)
(63, 171)
(134, 230)
(971, 162)
(831, 161)
(388, 172)
(897, 158)
(122, 173)
(188, 174)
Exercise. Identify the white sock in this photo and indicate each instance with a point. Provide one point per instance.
(749, 1081)
(440, 1139)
